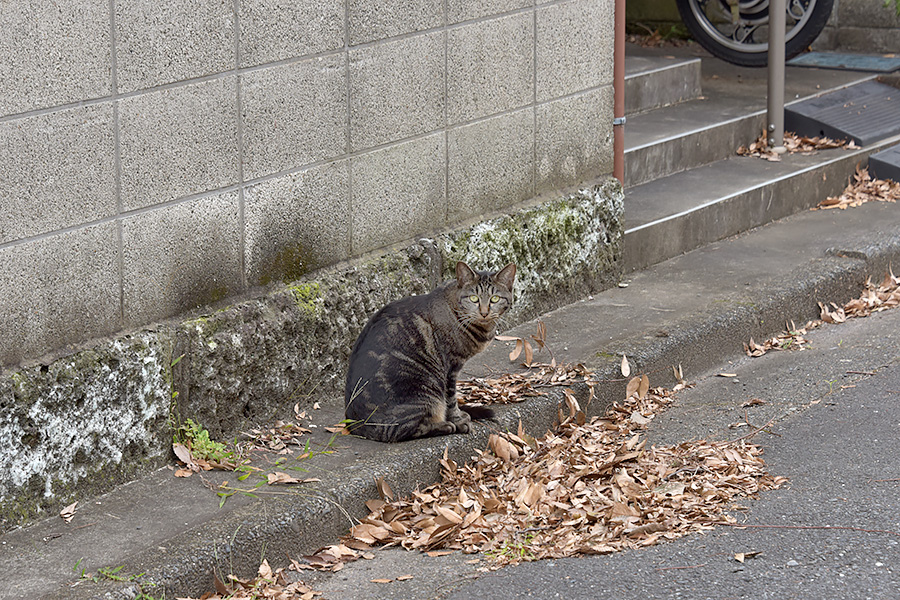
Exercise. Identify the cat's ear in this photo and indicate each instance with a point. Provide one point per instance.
(464, 274)
(506, 276)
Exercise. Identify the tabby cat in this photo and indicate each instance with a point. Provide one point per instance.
(402, 378)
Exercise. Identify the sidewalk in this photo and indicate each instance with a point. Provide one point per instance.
(694, 310)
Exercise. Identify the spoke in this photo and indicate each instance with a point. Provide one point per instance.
(796, 10)
(744, 34)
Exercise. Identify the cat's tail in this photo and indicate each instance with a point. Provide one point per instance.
(479, 413)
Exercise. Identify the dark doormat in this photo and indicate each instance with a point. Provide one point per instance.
(877, 63)
(866, 112)
(886, 164)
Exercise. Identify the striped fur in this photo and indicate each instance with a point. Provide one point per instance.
(401, 383)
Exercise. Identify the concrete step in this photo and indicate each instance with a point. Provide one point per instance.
(656, 81)
(689, 209)
(730, 112)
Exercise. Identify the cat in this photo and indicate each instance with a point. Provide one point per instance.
(401, 383)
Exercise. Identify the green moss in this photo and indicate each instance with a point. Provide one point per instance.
(289, 264)
(306, 296)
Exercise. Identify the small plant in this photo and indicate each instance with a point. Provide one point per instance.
(513, 550)
(196, 438)
(109, 574)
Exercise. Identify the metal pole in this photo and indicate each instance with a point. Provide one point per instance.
(775, 112)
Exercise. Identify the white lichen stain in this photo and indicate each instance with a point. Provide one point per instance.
(74, 436)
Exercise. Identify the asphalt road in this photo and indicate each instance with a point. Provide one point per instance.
(833, 532)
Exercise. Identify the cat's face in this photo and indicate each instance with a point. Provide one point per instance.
(484, 297)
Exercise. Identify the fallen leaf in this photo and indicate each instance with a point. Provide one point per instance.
(384, 490)
(68, 513)
(278, 477)
(404, 577)
(183, 472)
(626, 368)
(381, 580)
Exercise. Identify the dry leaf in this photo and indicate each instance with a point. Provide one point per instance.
(384, 490)
(626, 368)
(861, 189)
(588, 488)
(68, 513)
(792, 143)
(279, 477)
(404, 577)
(381, 580)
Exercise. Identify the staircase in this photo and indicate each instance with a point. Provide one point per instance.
(685, 187)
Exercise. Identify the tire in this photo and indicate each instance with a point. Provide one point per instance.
(709, 21)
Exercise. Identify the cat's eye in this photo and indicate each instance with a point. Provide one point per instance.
(473, 298)
(495, 299)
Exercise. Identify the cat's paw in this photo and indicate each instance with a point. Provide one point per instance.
(465, 427)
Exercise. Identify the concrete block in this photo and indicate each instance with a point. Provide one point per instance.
(274, 30)
(297, 223)
(58, 170)
(574, 47)
(463, 10)
(490, 165)
(397, 192)
(868, 14)
(189, 133)
(490, 67)
(53, 53)
(574, 140)
(58, 290)
(868, 40)
(161, 42)
(293, 115)
(368, 21)
(178, 257)
(396, 90)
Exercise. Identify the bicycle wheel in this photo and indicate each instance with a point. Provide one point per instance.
(744, 40)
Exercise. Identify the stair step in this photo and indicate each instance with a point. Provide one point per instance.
(656, 81)
(686, 210)
(675, 138)
(710, 127)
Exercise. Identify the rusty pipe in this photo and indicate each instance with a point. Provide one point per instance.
(619, 93)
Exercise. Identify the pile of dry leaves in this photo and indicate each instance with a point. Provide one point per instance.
(590, 488)
(793, 143)
(268, 585)
(861, 189)
(876, 297)
(517, 387)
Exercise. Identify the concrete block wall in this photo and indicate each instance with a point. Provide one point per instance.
(865, 26)
(156, 156)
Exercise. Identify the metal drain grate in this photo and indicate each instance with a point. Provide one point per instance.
(886, 164)
(866, 112)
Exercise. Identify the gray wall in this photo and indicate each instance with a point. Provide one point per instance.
(865, 26)
(157, 155)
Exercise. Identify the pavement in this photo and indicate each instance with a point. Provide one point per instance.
(833, 531)
(695, 310)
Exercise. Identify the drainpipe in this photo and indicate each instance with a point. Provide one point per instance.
(619, 93)
(775, 105)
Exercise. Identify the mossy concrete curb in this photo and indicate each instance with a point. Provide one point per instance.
(82, 424)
